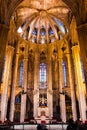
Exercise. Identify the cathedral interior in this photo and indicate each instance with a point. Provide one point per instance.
(43, 60)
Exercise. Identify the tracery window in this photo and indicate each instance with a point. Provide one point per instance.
(20, 73)
(43, 74)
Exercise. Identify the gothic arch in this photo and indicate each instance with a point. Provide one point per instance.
(77, 7)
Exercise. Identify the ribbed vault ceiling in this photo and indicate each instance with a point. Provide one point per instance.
(42, 21)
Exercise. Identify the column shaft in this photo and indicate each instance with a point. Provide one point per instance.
(24, 85)
(3, 41)
(62, 96)
(49, 87)
(82, 37)
(36, 85)
(80, 84)
(73, 99)
(14, 83)
(6, 76)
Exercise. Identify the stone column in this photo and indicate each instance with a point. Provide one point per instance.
(80, 84)
(24, 85)
(14, 83)
(79, 33)
(6, 76)
(62, 96)
(73, 98)
(49, 87)
(82, 37)
(36, 85)
(55, 70)
(3, 40)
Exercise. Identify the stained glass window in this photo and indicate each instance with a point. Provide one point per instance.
(34, 31)
(64, 73)
(50, 31)
(20, 74)
(18, 99)
(42, 32)
(42, 75)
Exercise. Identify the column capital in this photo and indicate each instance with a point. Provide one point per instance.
(75, 50)
(75, 45)
(67, 53)
(50, 91)
(60, 58)
(10, 47)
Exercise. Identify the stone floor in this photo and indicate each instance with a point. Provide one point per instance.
(34, 127)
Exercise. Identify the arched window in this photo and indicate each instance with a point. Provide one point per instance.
(17, 106)
(42, 32)
(20, 73)
(34, 31)
(64, 73)
(43, 74)
(50, 31)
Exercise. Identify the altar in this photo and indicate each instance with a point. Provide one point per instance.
(43, 111)
(43, 115)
